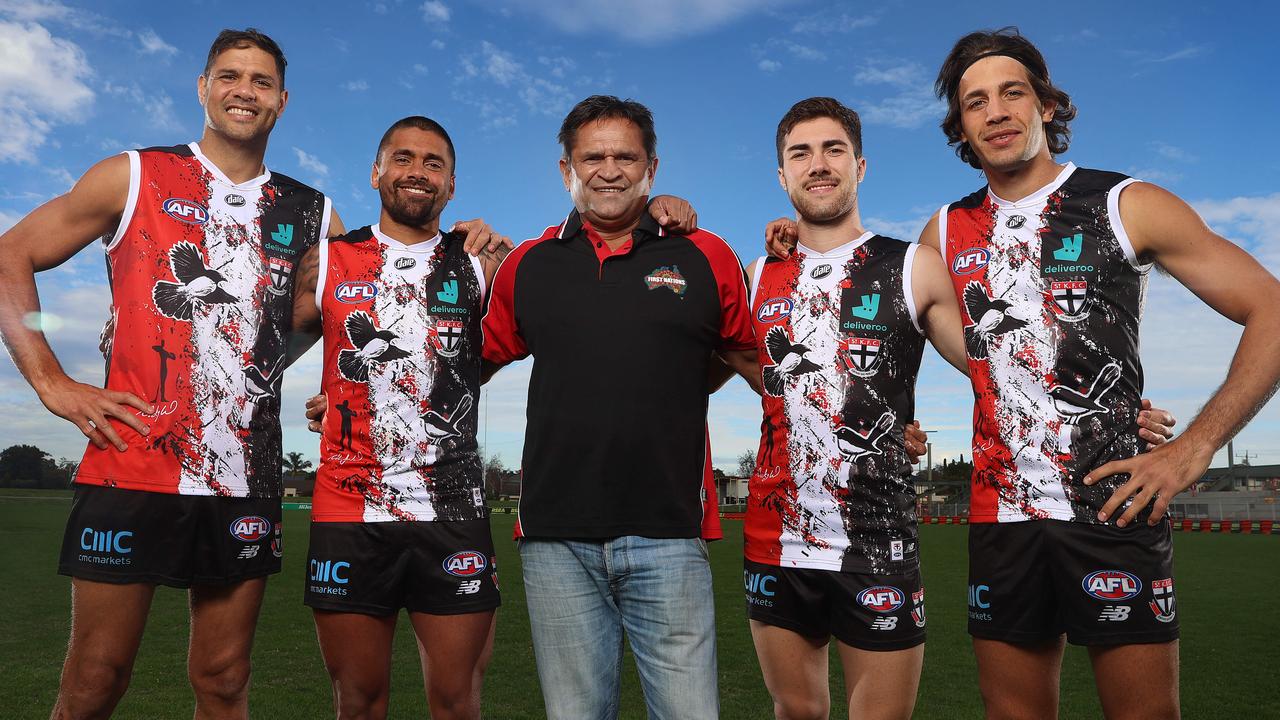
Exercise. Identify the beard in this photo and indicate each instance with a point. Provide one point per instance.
(412, 212)
(822, 211)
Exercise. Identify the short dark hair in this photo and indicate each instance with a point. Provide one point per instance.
(820, 107)
(1009, 42)
(249, 37)
(419, 122)
(603, 107)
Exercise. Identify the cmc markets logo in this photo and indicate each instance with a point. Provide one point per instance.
(187, 211)
(250, 528)
(109, 541)
(465, 563)
(758, 583)
(1111, 585)
(355, 291)
(774, 309)
(970, 261)
(329, 571)
(881, 598)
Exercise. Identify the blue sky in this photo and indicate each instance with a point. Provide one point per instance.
(1171, 92)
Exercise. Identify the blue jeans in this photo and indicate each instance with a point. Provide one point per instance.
(583, 596)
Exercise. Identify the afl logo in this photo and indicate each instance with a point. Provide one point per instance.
(465, 563)
(970, 261)
(355, 291)
(774, 309)
(250, 528)
(881, 598)
(185, 211)
(1112, 585)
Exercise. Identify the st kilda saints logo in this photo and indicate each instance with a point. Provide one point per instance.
(1162, 603)
(1071, 298)
(860, 356)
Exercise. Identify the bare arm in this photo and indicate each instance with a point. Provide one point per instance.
(1167, 231)
(45, 239)
(937, 307)
(306, 314)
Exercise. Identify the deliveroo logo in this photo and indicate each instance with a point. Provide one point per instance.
(450, 292)
(1070, 250)
(283, 234)
(869, 307)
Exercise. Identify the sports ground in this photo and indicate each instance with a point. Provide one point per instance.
(1226, 585)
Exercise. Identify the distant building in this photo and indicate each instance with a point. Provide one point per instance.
(299, 484)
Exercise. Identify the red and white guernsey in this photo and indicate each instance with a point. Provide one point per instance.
(201, 272)
(1051, 294)
(402, 335)
(839, 345)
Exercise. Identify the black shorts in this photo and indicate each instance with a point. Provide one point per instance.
(1099, 584)
(863, 610)
(133, 536)
(376, 568)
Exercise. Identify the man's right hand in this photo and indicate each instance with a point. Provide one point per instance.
(316, 405)
(780, 237)
(88, 407)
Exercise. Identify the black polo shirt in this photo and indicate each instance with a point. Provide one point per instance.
(615, 439)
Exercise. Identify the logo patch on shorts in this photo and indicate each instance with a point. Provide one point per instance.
(881, 598)
(465, 563)
(1111, 585)
(1162, 602)
(250, 528)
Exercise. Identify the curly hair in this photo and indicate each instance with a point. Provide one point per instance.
(1006, 41)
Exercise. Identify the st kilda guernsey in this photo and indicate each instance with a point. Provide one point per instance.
(201, 272)
(1051, 294)
(402, 335)
(839, 345)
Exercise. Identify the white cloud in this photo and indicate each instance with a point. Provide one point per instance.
(153, 44)
(500, 67)
(914, 103)
(769, 66)
(42, 84)
(1186, 53)
(832, 22)
(355, 86)
(311, 163)
(419, 69)
(1173, 152)
(557, 66)
(654, 21)
(1154, 175)
(437, 44)
(157, 108)
(902, 75)
(435, 11)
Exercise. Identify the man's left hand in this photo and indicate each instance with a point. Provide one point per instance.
(1158, 475)
(674, 214)
(481, 239)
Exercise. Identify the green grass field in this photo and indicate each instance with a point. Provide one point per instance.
(1226, 590)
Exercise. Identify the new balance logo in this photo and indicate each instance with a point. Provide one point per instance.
(1114, 613)
(469, 587)
(249, 551)
(885, 623)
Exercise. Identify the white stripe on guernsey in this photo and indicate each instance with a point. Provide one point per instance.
(479, 268)
(1117, 225)
(131, 203)
(908, 288)
(942, 233)
(755, 280)
(325, 214)
(322, 272)
(233, 247)
(220, 176)
(1018, 361)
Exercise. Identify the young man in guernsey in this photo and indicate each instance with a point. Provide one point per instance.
(180, 484)
(840, 325)
(1067, 523)
(399, 518)
(831, 544)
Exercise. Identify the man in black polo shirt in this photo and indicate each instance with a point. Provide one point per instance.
(622, 320)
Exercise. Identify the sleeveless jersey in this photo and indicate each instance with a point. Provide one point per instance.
(1051, 293)
(839, 346)
(201, 272)
(402, 373)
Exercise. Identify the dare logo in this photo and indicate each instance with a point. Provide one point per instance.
(774, 309)
(355, 291)
(881, 598)
(1111, 585)
(250, 528)
(970, 261)
(465, 564)
(187, 211)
